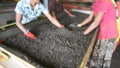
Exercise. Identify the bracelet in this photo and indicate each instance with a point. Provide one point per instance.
(26, 31)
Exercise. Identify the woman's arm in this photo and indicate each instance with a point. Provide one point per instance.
(54, 21)
(69, 13)
(95, 23)
(18, 22)
(87, 20)
(22, 28)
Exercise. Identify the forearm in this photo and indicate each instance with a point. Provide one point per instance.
(19, 23)
(21, 27)
(26, 32)
(95, 23)
(87, 20)
(91, 28)
(53, 20)
(69, 13)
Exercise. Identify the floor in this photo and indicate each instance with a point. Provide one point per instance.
(116, 58)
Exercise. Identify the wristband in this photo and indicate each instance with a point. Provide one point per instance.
(26, 32)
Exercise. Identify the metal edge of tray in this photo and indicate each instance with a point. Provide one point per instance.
(82, 11)
(89, 51)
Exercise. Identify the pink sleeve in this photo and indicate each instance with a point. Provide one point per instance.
(103, 7)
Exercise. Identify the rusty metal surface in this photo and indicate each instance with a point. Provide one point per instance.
(77, 4)
(77, 0)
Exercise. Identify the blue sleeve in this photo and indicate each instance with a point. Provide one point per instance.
(19, 8)
(44, 9)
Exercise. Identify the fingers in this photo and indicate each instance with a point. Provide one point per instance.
(62, 26)
(72, 16)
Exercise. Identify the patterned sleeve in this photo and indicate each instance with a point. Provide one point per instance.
(44, 9)
(19, 9)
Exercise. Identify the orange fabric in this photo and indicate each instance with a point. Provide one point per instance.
(30, 35)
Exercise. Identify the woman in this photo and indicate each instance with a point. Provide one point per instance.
(29, 10)
(105, 17)
(56, 6)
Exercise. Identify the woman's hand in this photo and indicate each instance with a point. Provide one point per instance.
(61, 26)
(30, 35)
